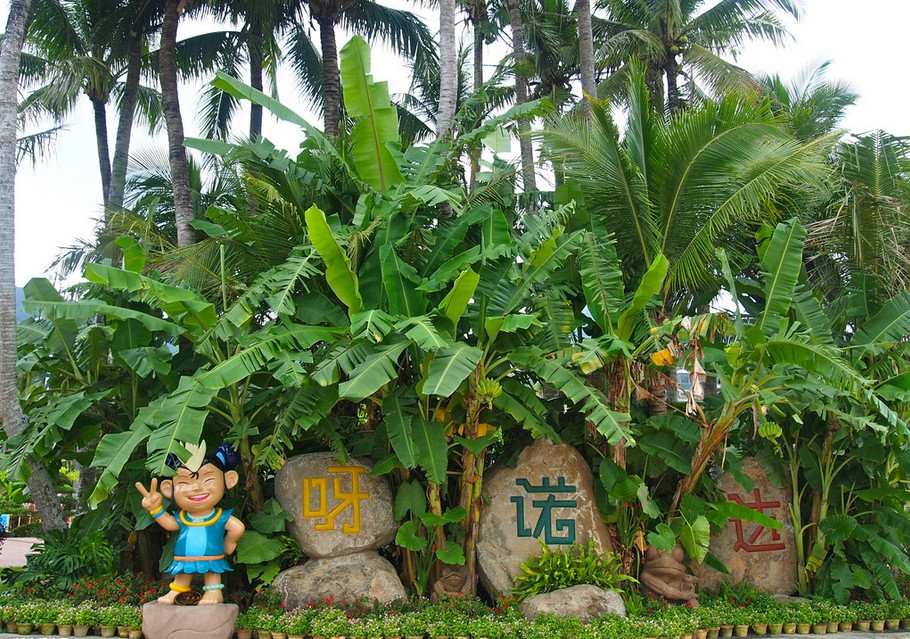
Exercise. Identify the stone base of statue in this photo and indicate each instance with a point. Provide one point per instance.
(211, 621)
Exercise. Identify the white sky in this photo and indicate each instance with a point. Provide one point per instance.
(59, 199)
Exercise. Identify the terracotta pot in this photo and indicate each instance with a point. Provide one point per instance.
(108, 631)
(789, 628)
(12, 627)
(701, 634)
(726, 631)
(65, 630)
(863, 625)
(48, 628)
(846, 626)
(135, 634)
(279, 635)
(820, 628)
(244, 633)
(24, 628)
(760, 628)
(713, 632)
(892, 624)
(833, 626)
(263, 634)
(803, 628)
(877, 625)
(741, 630)
(775, 628)
(80, 631)
(123, 632)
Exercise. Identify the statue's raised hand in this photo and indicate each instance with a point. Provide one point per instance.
(151, 498)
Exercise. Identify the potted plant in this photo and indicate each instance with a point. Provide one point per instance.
(878, 611)
(412, 626)
(803, 617)
(390, 626)
(25, 614)
(905, 615)
(299, 624)
(44, 617)
(893, 613)
(109, 620)
(66, 619)
(330, 623)
(86, 618)
(131, 617)
(243, 627)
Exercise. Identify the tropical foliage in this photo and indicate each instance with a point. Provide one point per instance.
(362, 295)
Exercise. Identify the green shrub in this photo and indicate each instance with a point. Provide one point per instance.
(579, 564)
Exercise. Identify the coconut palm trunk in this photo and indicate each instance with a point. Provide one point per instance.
(125, 124)
(41, 487)
(256, 60)
(448, 67)
(99, 109)
(671, 67)
(586, 52)
(521, 95)
(331, 77)
(167, 73)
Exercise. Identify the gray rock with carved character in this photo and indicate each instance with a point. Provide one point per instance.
(549, 494)
(337, 508)
(752, 553)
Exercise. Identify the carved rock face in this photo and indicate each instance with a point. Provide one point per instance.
(362, 574)
(189, 622)
(337, 507)
(762, 556)
(548, 495)
(586, 602)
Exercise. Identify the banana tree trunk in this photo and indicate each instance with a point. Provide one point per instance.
(125, 125)
(620, 395)
(521, 96)
(167, 72)
(43, 493)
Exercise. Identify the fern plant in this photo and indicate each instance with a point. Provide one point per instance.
(578, 564)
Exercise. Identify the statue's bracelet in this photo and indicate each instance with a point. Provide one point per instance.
(157, 512)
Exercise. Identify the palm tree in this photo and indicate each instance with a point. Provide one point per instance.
(41, 487)
(82, 47)
(170, 99)
(685, 185)
(586, 51)
(448, 70)
(675, 38)
(811, 105)
(520, 62)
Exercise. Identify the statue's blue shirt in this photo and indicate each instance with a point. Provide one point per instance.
(200, 543)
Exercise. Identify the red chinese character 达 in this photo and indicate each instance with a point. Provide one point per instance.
(749, 545)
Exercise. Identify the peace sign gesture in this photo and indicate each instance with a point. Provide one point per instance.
(151, 498)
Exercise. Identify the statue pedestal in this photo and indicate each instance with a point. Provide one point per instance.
(214, 621)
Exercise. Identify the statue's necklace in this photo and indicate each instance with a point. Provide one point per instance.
(196, 519)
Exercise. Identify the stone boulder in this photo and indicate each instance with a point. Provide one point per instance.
(753, 553)
(548, 495)
(585, 602)
(337, 508)
(212, 621)
(361, 574)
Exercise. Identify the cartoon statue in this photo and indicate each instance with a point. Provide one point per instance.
(206, 534)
